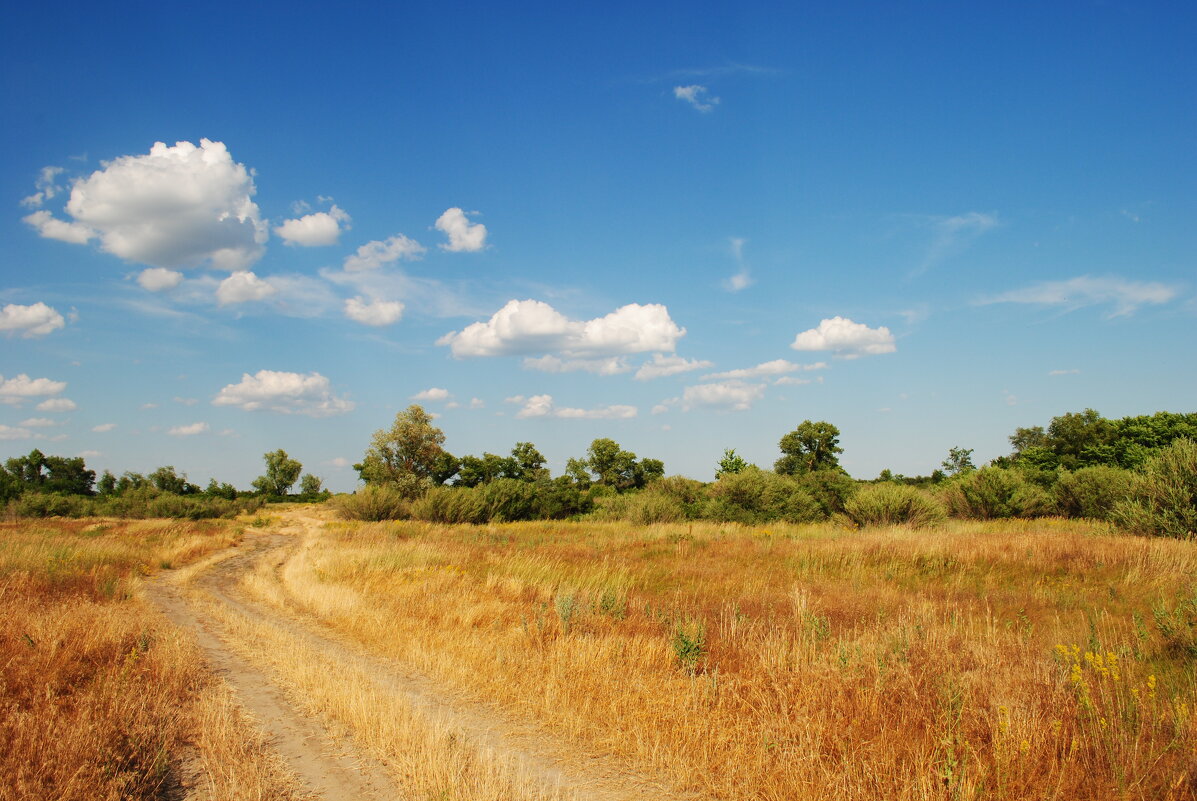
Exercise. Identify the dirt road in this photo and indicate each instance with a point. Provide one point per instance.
(293, 675)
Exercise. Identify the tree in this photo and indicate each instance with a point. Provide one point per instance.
(615, 467)
(959, 461)
(310, 485)
(281, 473)
(166, 479)
(528, 462)
(409, 449)
(730, 464)
(808, 448)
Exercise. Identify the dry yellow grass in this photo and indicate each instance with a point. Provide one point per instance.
(99, 698)
(1008, 660)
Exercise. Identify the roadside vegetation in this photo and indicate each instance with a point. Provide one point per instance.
(101, 699)
(995, 659)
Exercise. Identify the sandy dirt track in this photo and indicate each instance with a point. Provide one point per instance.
(334, 767)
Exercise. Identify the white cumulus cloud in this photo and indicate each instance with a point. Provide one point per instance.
(543, 406)
(531, 326)
(180, 206)
(57, 405)
(38, 422)
(373, 312)
(376, 253)
(315, 230)
(288, 393)
(242, 287)
(432, 394)
(661, 365)
(1124, 296)
(464, 236)
(189, 430)
(20, 388)
(159, 279)
(698, 96)
(35, 320)
(103, 427)
(736, 396)
(846, 338)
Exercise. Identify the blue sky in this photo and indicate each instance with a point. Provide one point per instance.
(685, 227)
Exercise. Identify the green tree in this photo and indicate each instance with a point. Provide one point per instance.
(959, 461)
(281, 473)
(165, 479)
(528, 463)
(730, 464)
(310, 485)
(406, 454)
(615, 467)
(809, 448)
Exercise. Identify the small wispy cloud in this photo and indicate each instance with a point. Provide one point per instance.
(698, 96)
(743, 278)
(1073, 371)
(952, 236)
(1126, 297)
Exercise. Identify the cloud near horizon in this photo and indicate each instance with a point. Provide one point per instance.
(283, 392)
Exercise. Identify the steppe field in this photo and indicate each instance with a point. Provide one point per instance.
(293, 655)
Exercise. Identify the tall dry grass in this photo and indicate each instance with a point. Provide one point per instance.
(99, 698)
(1002, 659)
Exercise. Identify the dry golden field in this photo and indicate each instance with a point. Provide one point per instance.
(1002, 660)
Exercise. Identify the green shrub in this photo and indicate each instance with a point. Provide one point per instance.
(893, 505)
(47, 504)
(1163, 500)
(758, 496)
(994, 492)
(372, 503)
(649, 507)
(559, 499)
(607, 506)
(451, 505)
(688, 493)
(1092, 491)
(506, 499)
(831, 489)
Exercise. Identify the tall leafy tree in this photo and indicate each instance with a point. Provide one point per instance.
(810, 447)
(410, 448)
(730, 464)
(281, 473)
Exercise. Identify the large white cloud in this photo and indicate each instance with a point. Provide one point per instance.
(316, 229)
(846, 338)
(736, 396)
(241, 287)
(373, 312)
(180, 206)
(159, 279)
(35, 320)
(464, 236)
(662, 365)
(1124, 296)
(766, 369)
(289, 393)
(21, 388)
(543, 406)
(525, 327)
(373, 255)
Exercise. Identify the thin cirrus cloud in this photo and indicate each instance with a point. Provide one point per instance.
(952, 236)
(777, 367)
(526, 327)
(662, 365)
(318, 229)
(284, 392)
(177, 206)
(742, 278)
(189, 430)
(543, 406)
(610, 365)
(14, 433)
(1124, 297)
(464, 236)
(846, 339)
(35, 320)
(733, 395)
(697, 97)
